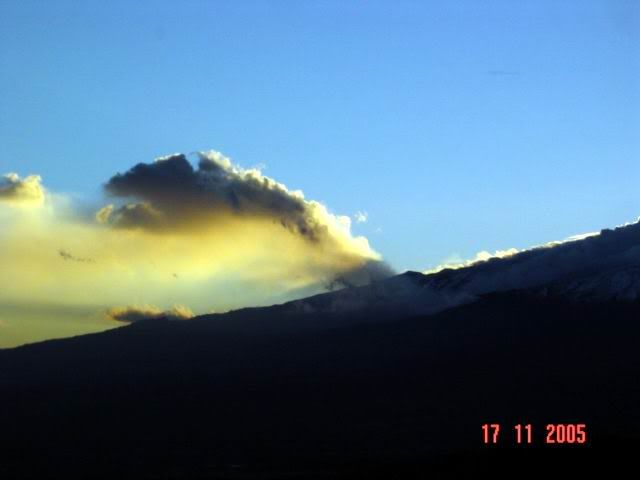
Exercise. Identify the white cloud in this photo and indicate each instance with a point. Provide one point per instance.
(361, 217)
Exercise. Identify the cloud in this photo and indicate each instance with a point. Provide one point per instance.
(103, 215)
(15, 190)
(361, 217)
(175, 197)
(131, 314)
(170, 196)
(364, 275)
(134, 215)
(212, 236)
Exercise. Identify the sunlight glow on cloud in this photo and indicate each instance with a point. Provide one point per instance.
(213, 237)
(15, 190)
(170, 197)
(135, 313)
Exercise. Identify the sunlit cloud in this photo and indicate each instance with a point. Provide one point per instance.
(134, 313)
(171, 197)
(214, 237)
(15, 190)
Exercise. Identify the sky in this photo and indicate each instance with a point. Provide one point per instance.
(451, 127)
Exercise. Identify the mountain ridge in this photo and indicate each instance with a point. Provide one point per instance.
(395, 378)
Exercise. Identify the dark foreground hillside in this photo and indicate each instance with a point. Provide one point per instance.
(238, 397)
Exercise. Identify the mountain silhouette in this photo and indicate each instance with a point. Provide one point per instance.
(390, 380)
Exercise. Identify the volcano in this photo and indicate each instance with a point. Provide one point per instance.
(395, 379)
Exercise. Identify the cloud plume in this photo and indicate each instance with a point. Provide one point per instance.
(212, 236)
(170, 196)
(175, 196)
(131, 314)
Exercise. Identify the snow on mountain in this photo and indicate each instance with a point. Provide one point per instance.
(605, 266)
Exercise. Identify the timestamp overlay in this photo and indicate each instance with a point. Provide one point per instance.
(555, 434)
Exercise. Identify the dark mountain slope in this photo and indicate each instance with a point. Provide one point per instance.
(257, 393)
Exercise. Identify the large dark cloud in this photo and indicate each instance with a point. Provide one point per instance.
(170, 195)
(174, 195)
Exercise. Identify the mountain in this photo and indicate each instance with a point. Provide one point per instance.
(621, 284)
(602, 266)
(390, 380)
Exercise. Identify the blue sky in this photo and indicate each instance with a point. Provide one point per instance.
(458, 126)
